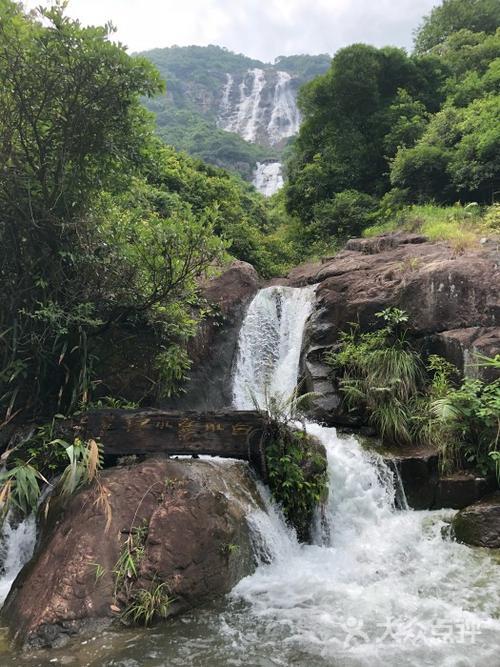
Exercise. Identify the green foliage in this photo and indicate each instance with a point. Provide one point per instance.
(20, 482)
(126, 569)
(470, 418)
(383, 379)
(148, 605)
(347, 214)
(187, 115)
(172, 365)
(105, 232)
(457, 156)
(288, 457)
(347, 114)
(19, 487)
(454, 15)
(425, 125)
(379, 375)
(296, 467)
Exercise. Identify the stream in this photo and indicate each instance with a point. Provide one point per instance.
(379, 586)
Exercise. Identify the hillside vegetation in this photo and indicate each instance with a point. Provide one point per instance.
(383, 129)
(186, 113)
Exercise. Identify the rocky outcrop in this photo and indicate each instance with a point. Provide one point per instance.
(452, 299)
(479, 524)
(190, 519)
(425, 486)
(213, 349)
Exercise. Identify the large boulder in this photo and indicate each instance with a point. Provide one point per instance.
(479, 524)
(190, 517)
(452, 299)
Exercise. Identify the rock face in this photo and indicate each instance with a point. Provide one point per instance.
(194, 535)
(453, 302)
(214, 347)
(479, 524)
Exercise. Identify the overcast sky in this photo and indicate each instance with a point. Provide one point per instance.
(261, 29)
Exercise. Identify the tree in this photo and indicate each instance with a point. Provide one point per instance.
(454, 15)
(347, 115)
(457, 156)
(75, 136)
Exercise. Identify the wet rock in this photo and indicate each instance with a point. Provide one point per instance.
(418, 471)
(479, 524)
(195, 538)
(460, 346)
(460, 489)
(383, 242)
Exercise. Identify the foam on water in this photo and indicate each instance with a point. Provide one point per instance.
(381, 586)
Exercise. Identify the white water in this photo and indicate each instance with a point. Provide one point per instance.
(245, 119)
(17, 545)
(381, 586)
(269, 345)
(269, 118)
(285, 117)
(268, 178)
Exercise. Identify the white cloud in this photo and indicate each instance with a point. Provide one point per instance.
(260, 28)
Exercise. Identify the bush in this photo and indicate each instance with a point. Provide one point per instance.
(383, 379)
(379, 375)
(347, 214)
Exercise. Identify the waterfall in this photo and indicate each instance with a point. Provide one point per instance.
(269, 345)
(285, 117)
(380, 586)
(17, 543)
(245, 119)
(268, 177)
(269, 118)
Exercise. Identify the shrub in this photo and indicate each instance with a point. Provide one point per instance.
(296, 465)
(379, 375)
(347, 214)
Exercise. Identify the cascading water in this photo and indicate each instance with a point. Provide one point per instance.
(16, 548)
(381, 586)
(261, 107)
(268, 177)
(285, 116)
(269, 345)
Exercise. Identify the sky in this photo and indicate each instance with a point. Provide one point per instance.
(262, 29)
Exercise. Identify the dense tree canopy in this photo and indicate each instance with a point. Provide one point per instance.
(426, 124)
(104, 232)
(455, 15)
(349, 113)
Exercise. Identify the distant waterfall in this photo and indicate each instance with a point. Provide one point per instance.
(244, 119)
(268, 177)
(285, 117)
(261, 107)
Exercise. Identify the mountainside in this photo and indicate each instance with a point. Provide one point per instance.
(231, 110)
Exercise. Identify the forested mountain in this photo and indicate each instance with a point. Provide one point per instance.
(226, 108)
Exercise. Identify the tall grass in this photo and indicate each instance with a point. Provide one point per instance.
(461, 226)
